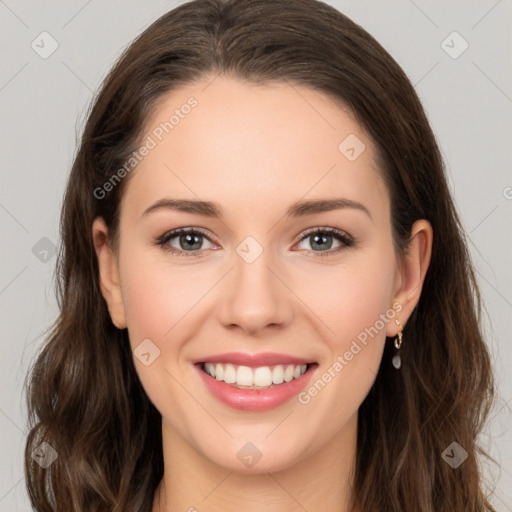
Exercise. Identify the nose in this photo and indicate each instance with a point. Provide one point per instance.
(255, 297)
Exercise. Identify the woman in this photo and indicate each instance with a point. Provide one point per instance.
(215, 350)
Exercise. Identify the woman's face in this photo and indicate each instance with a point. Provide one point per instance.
(252, 278)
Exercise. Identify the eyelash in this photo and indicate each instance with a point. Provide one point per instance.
(346, 241)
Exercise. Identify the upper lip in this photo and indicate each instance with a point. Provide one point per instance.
(253, 360)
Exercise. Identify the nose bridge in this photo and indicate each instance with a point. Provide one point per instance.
(256, 298)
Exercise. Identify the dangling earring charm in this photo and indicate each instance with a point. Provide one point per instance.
(397, 361)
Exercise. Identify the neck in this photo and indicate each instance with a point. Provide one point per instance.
(320, 482)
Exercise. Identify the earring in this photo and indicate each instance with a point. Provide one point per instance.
(397, 362)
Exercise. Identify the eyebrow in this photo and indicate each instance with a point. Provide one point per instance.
(298, 209)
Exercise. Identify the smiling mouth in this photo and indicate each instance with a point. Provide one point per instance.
(258, 377)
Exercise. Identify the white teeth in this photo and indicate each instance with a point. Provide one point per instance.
(288, 373)
(244, 376)
(209, 369)
(229, 374)
(278, 374)
(219, 372)
(259, 377)
(263, 376)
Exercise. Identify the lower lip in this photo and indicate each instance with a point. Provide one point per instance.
(255, 399)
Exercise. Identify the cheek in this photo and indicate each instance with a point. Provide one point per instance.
(159, 305)
(355, 303)
(162, 303)
(350, 298)
(158, 296)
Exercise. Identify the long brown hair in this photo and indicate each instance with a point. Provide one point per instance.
(84, 396)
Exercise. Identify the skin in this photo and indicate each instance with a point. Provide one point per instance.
(255, 150)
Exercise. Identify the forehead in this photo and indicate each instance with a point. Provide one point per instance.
(253, 147)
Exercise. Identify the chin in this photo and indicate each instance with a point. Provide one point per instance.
(257, 457)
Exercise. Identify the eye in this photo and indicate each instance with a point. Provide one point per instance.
(322, 238)
(189, 241)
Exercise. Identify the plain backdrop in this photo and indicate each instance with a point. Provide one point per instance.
(467, 93)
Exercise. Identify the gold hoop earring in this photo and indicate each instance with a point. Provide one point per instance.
(398, 340)
(397, 360)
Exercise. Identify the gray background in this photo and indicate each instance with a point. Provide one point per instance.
(468, 100)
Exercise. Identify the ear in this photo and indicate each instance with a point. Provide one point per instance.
(109, 273)
(411, 273)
